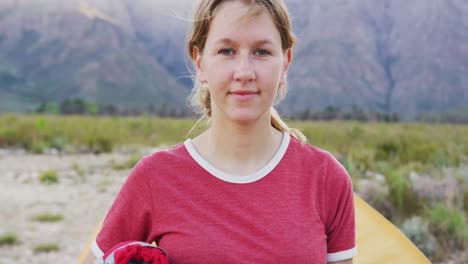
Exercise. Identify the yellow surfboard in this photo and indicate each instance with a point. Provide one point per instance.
(378, 240)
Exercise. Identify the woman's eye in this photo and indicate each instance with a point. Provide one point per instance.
(226, 52)
(262, 52)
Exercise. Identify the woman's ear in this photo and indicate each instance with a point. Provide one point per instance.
(286, 63)
(197, 57)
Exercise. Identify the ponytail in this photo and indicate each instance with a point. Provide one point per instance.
(280, 125)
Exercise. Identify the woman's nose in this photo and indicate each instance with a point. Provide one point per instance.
(244, 71)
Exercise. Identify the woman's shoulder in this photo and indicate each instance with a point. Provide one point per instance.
(321, 161)
(314, 157)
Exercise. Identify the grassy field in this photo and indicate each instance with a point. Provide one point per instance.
(424, 143)
(414, 174)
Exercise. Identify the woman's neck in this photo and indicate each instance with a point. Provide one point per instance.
(239, 149)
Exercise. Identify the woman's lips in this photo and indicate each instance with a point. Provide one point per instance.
(244, 95)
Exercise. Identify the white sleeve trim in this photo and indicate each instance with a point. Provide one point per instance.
(342, 255)
(96, 250)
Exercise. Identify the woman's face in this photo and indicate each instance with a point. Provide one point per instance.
(243, 63)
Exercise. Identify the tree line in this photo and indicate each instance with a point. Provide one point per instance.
(84, 107)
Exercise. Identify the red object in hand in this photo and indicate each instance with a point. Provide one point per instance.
(135, 252)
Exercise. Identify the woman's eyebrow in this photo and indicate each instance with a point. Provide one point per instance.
(256, 43)
(224, 41)
(263, 42)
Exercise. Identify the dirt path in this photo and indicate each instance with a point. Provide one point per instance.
(87, 186)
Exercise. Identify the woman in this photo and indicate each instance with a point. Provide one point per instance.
(248, 189)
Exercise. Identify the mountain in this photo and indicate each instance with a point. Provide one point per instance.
(387, 55)
(54, 50)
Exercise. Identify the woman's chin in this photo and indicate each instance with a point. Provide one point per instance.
(245, 118)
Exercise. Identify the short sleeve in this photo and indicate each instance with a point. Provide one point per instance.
(130, 216)
(340, 216)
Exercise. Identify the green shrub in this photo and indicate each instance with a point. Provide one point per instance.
(45, 248)
(449, 226)
(410, 148)
(99, 145)
(16, 137)
(417, 230)
(465, 199)
(387, 150)
(364, 159)
(48, 177)
(58, 142)
(78, 169)
(8, 239)
(48, 217)
(356, 132)
(38, 147)
(449, 156)
(416, 151)
(401, 195)
(129, 164)
(350, 167)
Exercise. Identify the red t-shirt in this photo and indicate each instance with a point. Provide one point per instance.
(297, 209)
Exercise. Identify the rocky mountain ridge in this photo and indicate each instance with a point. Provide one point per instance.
(386, 56)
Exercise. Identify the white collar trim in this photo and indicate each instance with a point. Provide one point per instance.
(236, 178)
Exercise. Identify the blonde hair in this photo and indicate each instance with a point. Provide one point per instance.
(200, 98)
